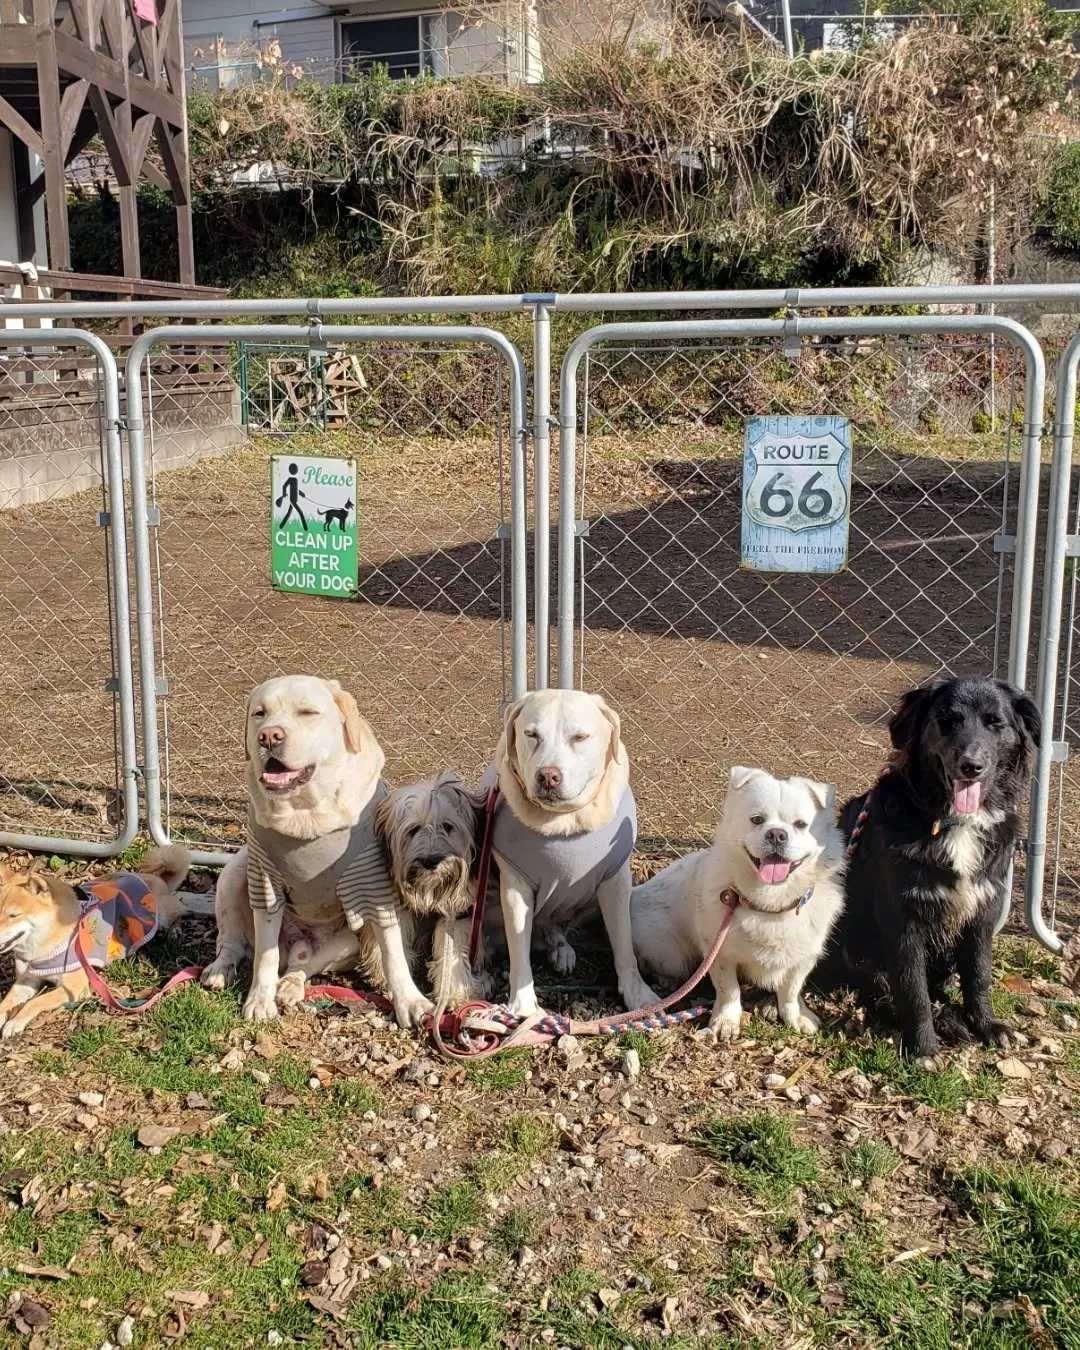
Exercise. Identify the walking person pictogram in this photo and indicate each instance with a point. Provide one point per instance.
(291, 489)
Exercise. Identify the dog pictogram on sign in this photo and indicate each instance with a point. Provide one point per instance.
(314, 549)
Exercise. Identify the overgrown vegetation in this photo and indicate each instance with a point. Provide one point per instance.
(702, 160)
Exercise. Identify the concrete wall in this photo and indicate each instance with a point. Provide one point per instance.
(54, 450)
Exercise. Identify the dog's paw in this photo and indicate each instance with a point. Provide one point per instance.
(523, 1005)
(562, 956)
(291, 989)
(217, 975)
(996, 1033)
(726, 1029)
(807, 1022)
(931, 1063)
(15, 1027)
(636, 994)
(260, 1006)
(410, 1012)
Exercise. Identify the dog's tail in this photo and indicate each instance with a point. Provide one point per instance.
(171, 863)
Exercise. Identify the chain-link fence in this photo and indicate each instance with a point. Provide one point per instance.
(66, 710)
(712, 661)
(709, 658)
(429, 418)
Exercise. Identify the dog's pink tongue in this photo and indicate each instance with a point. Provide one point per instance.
(774, 870)
(966, 798)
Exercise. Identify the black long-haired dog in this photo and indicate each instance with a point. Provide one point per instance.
(925, 882)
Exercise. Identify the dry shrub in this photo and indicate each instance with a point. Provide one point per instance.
(649, 134)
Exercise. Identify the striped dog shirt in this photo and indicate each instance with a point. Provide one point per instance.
(347, 867)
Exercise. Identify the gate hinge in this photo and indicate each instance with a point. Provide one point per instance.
(1004, 543)
(581, 529)
(104, 519)
(1059, 752)
(1072, 546)
(161, 686)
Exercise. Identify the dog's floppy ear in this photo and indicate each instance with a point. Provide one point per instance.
(510, 718)
(1027, 717)
(824, 794)
(910, 715)
(36, 883)
(614, 721)
(740, 776)
(353, 723)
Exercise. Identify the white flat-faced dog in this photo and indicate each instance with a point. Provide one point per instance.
(314, 785)
(430, 830)
(778, 859)
(563, 834)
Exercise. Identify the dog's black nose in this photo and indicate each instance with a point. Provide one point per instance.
(971, 766)
(432, 861)
(548, 779)
(270, 736)
(776, 839)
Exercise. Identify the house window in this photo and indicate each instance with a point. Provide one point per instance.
(397, 44)
(444, 44)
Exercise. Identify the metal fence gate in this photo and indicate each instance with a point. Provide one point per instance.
(67, 718)
(434, 416)
(711, 663)
(708, 662)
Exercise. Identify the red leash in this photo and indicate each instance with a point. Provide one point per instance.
(127, 1005)
(483, 871)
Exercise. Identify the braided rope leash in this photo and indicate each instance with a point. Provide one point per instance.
(864, 813)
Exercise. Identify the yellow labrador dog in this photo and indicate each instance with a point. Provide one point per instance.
(314, 871)
(563, 835)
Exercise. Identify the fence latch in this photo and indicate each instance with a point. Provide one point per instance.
(502, 530)
(1059, 752)
(1072, 546)
(581, 529)
(104, 519)
(1004, 543)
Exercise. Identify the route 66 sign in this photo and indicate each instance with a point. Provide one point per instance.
(796, 494)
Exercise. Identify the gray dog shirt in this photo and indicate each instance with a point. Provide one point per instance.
(565, 870)
(348, 866)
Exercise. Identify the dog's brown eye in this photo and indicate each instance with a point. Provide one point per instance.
(757, 820)
(800, 824)
(532, 735)
(578, 737)
(308, 712)
(259, 712)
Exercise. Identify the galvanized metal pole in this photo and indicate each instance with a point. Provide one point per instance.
(789, 36)
(114, 477)
(542, 489)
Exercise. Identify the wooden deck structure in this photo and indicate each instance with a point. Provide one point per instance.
(73, 69)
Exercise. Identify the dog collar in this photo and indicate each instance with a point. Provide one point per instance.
(733, 898)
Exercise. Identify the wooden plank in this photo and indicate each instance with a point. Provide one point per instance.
(129, 230)
(110, 75)
(141, 131)
(111, 135)
(17, 47)
(19, 126)
(52, 153)
(71, 106)
(186, 242)
(91, 283)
